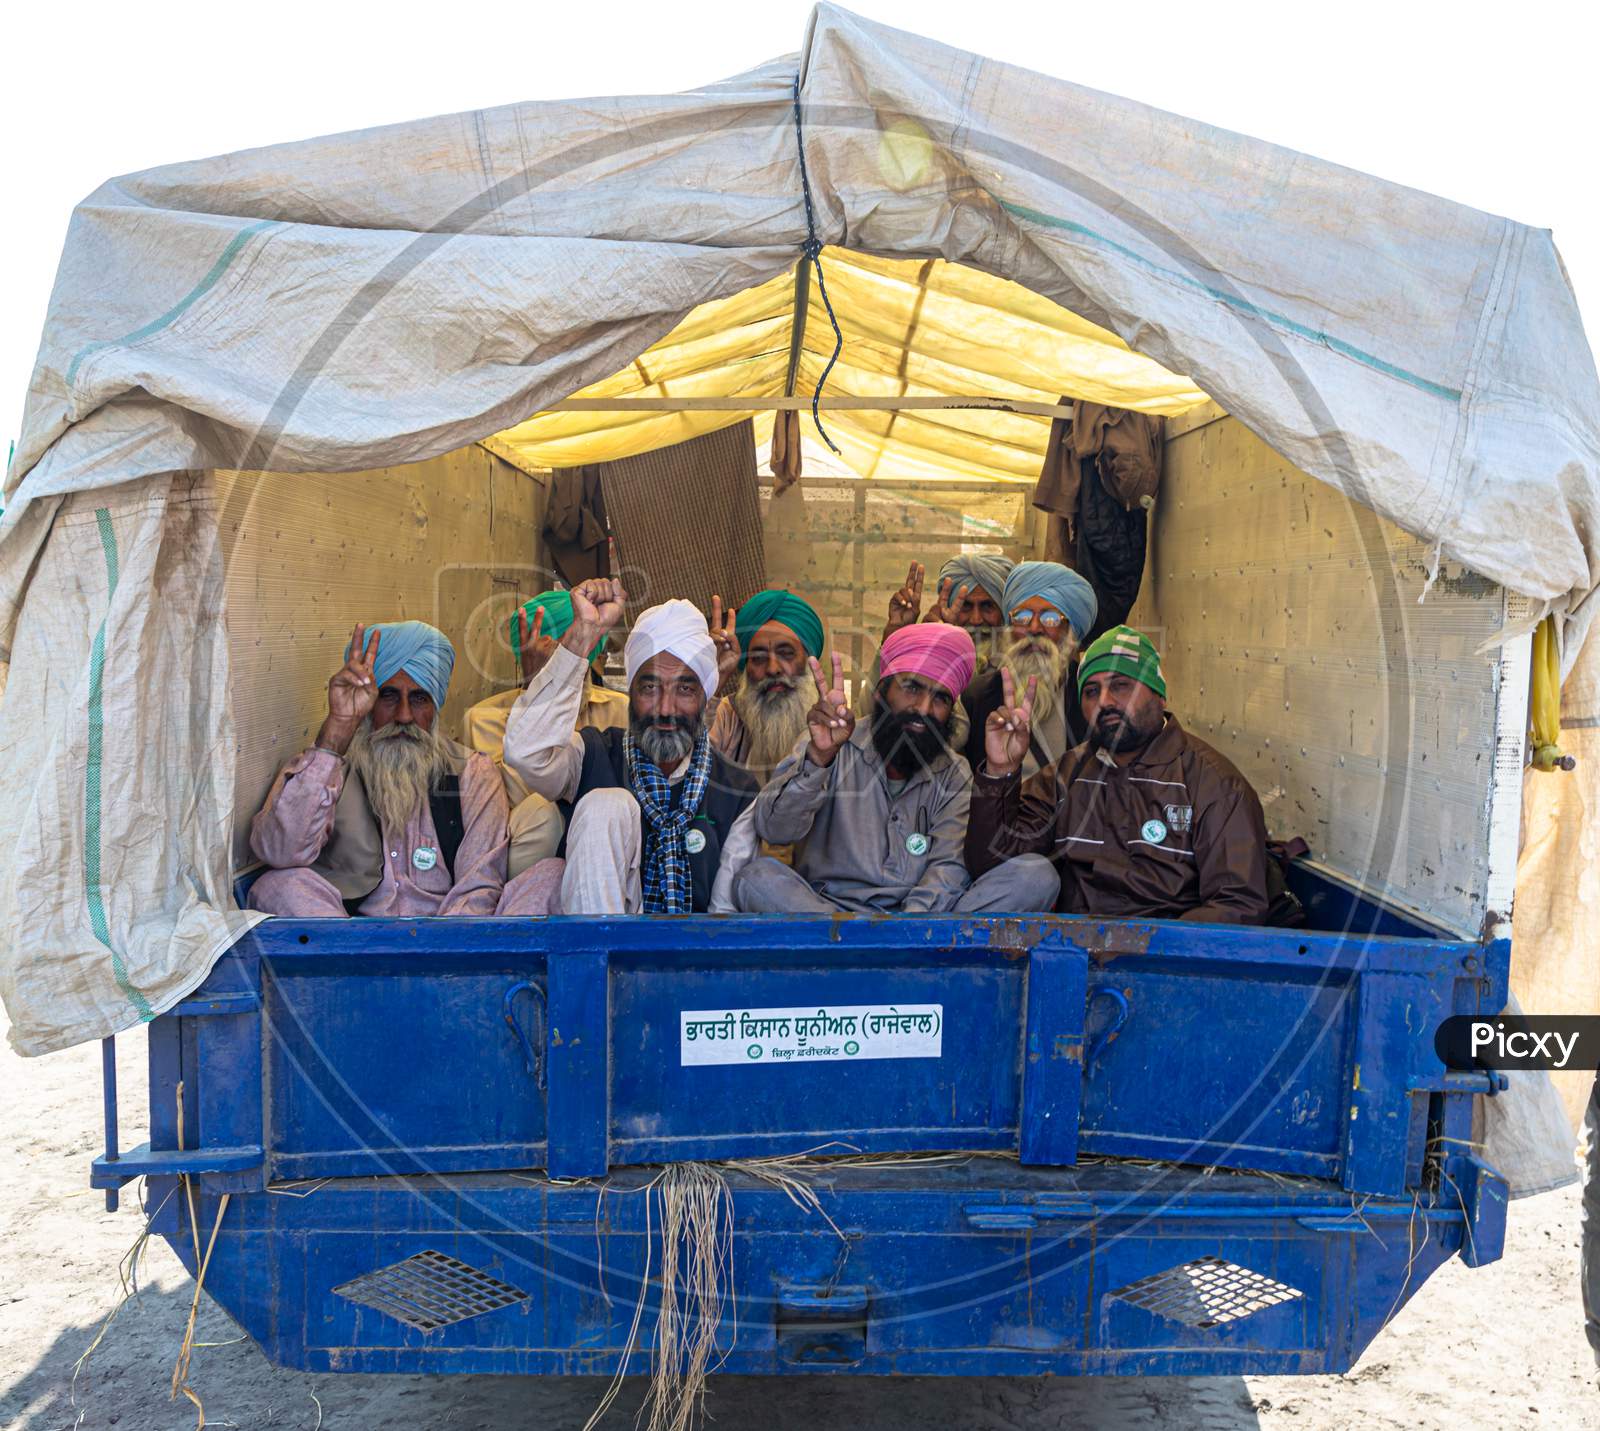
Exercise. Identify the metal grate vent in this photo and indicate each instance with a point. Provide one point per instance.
(1206, 1292)
(430, 1291)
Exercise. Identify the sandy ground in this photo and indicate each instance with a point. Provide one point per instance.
(1501, 1346)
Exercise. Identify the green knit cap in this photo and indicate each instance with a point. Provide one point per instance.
(1127, 652)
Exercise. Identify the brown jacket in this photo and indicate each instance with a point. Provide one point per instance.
(1175, 834)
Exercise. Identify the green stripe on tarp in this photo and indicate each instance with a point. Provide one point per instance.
(155, 325)
(1233, 301)
(91, 776)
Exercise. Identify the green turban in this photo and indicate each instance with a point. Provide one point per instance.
(557, 608)
(799, 616)
(1128, 653)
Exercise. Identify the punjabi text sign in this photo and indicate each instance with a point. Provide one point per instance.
(856, 1031)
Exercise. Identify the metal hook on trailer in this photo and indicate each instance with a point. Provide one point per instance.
(532, 1047)
(1112, 1029)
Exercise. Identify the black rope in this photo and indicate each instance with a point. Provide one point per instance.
(811, 252)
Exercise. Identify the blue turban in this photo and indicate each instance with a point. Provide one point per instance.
(423, 652)
(1062, 587)
(987, 572)
(784, 606)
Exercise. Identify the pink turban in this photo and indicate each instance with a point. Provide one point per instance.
(934, 650)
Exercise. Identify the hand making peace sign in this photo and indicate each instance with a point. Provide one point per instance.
(352, 693)
(907, 602)
(948, 607)
(831, 721)
(536, 648)
(726, 639)
(353, 689)
(1009, 729)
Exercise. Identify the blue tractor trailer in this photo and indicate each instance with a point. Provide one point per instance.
(425, 371)
(1183, 1150)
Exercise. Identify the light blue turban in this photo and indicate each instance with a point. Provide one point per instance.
(1062, 587)
(422, 651)
(988, 572)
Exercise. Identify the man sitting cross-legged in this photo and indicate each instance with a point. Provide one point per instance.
(878, 815)
(384, 814)
(654, 810)
(1144, 819)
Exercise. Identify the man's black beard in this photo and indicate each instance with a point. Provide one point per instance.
(901, 746)
(1122, 735)
(666, 749)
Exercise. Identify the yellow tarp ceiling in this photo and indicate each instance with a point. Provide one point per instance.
(920, 328)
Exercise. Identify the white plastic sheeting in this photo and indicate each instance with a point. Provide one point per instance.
(373, 298)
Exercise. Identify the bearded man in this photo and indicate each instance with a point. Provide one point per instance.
(972, 596)
(878, 814)
(534, 628)
(758, 723)
(653, 811)
(1143, 819)
(385, 815)
(1049, 607)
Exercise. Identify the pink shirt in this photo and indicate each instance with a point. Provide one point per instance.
(295, 822)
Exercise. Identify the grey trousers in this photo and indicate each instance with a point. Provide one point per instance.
(1028, 883)
(1591, 1226)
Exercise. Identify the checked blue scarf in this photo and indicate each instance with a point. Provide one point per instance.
(665, 884)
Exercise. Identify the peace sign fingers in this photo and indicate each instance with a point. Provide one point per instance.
(952, 607)
(353, 689)
(726, 639)
(363, 652)
(533, 655)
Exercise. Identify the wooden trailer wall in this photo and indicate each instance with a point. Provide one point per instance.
(1296, 639)
(451, 541)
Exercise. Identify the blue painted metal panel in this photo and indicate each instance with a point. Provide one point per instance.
(967, 1097)
(1053, 1050)
(922, 1286)
(431, 1053)
(389, 1048)
(1209, 1068)
(396, 1072)
(580, 1050)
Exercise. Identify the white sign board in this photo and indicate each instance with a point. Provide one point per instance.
(766, 1036)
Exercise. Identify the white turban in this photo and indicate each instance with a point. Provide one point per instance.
(678, 628)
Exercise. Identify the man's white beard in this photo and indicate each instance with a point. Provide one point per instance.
(986, 642)
(1025, 655)
(400, 765)
(775, 722)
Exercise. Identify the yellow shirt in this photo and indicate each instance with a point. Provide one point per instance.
(486, 726)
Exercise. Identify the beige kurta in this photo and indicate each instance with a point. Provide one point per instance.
(536, 826)
(486, 726)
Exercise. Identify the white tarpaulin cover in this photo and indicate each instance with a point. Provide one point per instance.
(379, 297)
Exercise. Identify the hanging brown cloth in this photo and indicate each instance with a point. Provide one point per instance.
(785, 457)
(575, 524)
(1101, 468)
(1057, 490)
(687, 520)
(1126, 448)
